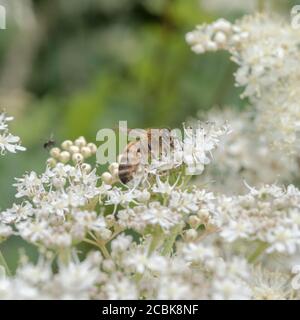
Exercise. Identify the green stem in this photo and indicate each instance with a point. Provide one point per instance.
(64, 256)
(104, 250)
(101, 245)
(156, 238)
(169, 243)
(4, 264)
(259, 250)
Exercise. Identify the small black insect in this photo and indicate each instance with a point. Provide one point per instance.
(49, 144)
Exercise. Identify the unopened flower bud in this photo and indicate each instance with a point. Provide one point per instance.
(110, 220)
(220, 38)
(198, 48)
(105, 234)
(86, 152)
(203, 214)
(93, 147)
(211, 46)
(190, 38)
(55, 153)
(74, 149)
(80, 142)
(66, 145)
(222, 25)
(113, 168)
(51, 162)
(64, 156)
(190, 235)
(86, 167)
(107, 178)
(194, 221)
(108, 265)
(58, 183)
(144, 196)
(244, 35)
(77, 157)
(236, 38)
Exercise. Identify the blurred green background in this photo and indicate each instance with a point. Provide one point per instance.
(72, 67)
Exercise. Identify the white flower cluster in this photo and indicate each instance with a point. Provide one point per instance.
(267, 53)
(58, 209)
(220, 35)
(195, 272)
(75, 280)
(161, 236)
(8, 142)
(198, 144)
(179, 249)
(179, 207)
(133, 271)
(239, 153)
(269, 215)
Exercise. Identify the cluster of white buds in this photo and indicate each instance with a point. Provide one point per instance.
(112, 175)
(216, 36)
(76, 151)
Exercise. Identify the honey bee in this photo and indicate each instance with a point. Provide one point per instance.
(149, 146)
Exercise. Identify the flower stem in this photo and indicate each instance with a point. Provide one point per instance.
(169, 243)
(4, 264)
(156, 238)
(101, 245)
(64, 256)
(104, 250)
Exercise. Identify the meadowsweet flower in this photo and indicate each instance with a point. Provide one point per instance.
(117, 196)
(16, 213)
(196, 252)
(236, 158)
(8, 142)
(227, 289)
(29, 186)
(162, 236)
(5, 232)
(120, 288)
(173, 289)
(77, 280)
(156, 214)
(120, 244)
(4, 119)
(163, 187)
(266, 50)
(183, 202)
(198, 144)
(263, 215)
(270, 285)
